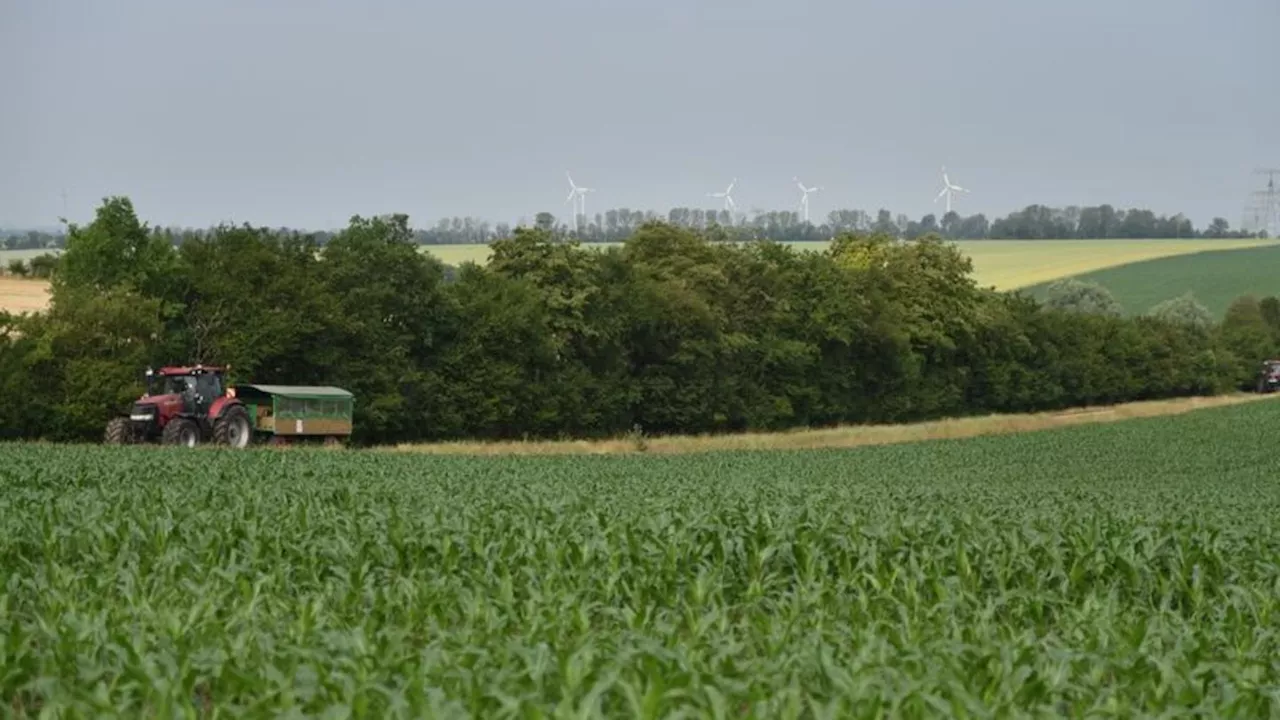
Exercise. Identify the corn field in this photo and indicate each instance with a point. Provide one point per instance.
(1118, 570)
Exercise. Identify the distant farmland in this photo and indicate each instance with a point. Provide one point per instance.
(1003, 264)
(1216, 278)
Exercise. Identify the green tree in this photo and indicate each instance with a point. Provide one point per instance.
(391, 320)
(1183, 310)
(88, 355)
(116, 249)
(1247, 336)
(255, 299)
(1079, 296)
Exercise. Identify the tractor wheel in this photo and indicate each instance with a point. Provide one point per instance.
(232, 428)
(119, 431)
(181, 431)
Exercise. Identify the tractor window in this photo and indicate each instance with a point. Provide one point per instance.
(177, 384)
(210, 386)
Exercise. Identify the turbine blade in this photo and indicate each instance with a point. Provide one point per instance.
(940, 194)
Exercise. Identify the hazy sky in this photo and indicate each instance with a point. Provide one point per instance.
(303, 112)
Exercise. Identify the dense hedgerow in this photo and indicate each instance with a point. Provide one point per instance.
(1065, 573)
(670, 333)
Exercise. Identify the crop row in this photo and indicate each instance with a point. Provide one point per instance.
(969, 579)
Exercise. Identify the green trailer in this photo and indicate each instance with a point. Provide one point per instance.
(295, 413)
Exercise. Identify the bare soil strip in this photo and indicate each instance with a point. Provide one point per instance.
(841, 437)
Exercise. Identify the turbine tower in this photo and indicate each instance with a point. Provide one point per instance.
(948, 189)
(804, 197)
(728, 198)
(578, 196)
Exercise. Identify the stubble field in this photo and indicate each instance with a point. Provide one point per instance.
(19, 295)
(1121, 569)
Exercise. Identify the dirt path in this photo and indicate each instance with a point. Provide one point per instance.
(19, 295)
(844, 437)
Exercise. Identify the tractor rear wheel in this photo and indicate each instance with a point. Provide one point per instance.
(232, 428)
(181, 431)
(119, 431)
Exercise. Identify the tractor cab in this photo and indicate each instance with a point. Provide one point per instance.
(194, 387)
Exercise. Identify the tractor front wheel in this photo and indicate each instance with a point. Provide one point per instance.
(232, 428)
(119, 431)
(181, 431)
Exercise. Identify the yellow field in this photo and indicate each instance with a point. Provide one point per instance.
(1009, 264)
(19, 296)
(842, 437)
(1004, 264)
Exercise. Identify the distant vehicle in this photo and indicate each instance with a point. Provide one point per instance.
(1269, 376)
(193, 406)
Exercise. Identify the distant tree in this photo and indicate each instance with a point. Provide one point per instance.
(1079, 296)
(1218, 228)
(1183, 310)
(1270, 308)
(43, 266)
(1246, 334)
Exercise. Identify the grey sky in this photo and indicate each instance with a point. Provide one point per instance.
(303, 112)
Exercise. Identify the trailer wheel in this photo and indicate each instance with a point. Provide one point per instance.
(181, 431)
(119, 431)
(232, 428)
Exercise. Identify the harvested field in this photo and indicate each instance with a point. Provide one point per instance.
(19, 295)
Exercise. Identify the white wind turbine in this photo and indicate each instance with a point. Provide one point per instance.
(804, 197)
(728, 199)
(580, 193)
(948, 189)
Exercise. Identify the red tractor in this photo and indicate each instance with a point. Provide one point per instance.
(1269, 377)
(192, 405)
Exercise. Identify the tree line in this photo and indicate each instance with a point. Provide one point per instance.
(668, 332)
(1034, 222)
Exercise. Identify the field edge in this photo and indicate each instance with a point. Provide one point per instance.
(847, 436)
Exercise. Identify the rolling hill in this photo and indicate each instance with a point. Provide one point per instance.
(1215, 277)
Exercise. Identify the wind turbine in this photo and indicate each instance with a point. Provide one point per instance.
(728, 199)
(948, 188)
(580, 206)
(804, 197)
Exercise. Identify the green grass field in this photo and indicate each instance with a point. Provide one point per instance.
(1119, 570)
(1216, 278)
